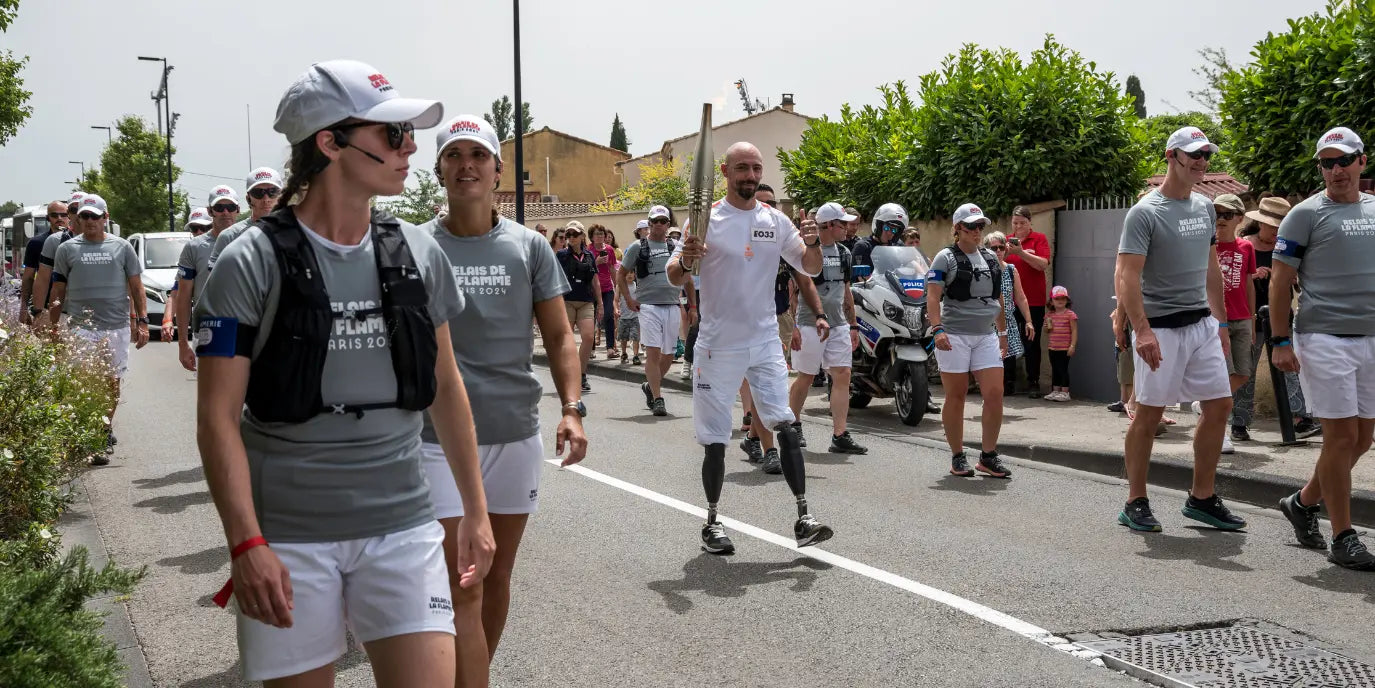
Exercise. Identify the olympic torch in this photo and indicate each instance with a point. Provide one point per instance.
(702, 184)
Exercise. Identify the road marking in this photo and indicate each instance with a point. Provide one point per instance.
(970, 607)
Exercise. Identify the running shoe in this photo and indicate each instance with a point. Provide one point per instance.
(1307, 428)
(959, 465)
(801, 438)
(746, 422)
(658, 407)
(110, 442)
(991, 464)
(809, 531)
(1117, 407)
(932, 407)
(1349, 552)
(1034, 394)
(1227, 447)
(624, 359)
(819, 380)
(1197, 408)
(1137, 516)
(752, 449)
(844, 444)
(636, 360)
(1304, 519)
(714, 540)
(100, 460)
(1212, 512)
(649, 395)
(1240, 434)
(773, 464)
(686, 372)
(586, 387)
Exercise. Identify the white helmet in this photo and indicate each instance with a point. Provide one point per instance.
(887, 213)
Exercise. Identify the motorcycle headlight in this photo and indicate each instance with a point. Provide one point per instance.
(892, 312)
(911, 318)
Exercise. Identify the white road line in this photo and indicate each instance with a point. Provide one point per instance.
(970, 607)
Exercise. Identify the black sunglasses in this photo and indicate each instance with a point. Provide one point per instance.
(396, 131)
(972, 226)
(892, 225)
(998, 247)
(1200, 153)
(1344, 161)
(1228, 215)
(260, 194)
(225, 208)
(659, 221)
(91, 216)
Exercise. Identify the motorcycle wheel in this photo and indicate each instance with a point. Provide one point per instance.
(909, 394)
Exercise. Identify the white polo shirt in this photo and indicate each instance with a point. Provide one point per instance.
(738, 272)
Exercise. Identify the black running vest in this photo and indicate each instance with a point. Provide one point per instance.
(959, 289)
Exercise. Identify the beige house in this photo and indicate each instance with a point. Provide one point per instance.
(770, 130)
(560, 165)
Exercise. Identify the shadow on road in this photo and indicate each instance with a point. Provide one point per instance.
(1337, 579)
(190, 475)
(720, 577)
(647, 419)
(207, 561)
(1210, 548)
(175, 504)
(978, 486)
(233, 676)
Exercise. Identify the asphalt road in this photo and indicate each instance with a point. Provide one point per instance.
(931, 580)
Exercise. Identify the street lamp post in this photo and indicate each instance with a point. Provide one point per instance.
(520, 124)
(82, 164)
(109, 137)
(167, 103)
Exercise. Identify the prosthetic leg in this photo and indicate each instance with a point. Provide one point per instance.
(714, 540)
(807, 530)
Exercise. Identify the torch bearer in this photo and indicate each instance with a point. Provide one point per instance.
(702, 183)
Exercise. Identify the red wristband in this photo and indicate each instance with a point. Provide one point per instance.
(246, 545)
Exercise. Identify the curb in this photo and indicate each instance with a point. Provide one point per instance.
(78, 526)
(1251, 487)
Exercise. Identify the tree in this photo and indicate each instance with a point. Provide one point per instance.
(1157, 131)
(990, 129)
(420, 203)
(618, 138)
(1300, 84)
(132, 178)
(14, 110)
(1135, 91)
(503, 118)
(1214, 68)
(661, 183)
(9, 208)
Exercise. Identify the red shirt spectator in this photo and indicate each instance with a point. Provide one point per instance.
(1238, 259)
(1033, 278)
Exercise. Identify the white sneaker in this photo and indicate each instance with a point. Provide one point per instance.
(1227, 447)
(686, 372)
(1064, 396)
(1197, 408)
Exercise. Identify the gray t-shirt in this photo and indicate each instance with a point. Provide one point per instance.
(831, 291)
(333, 477)
(1332, 245)
(229, 234)
(194, 263)
(49, 254)
(502, 275)
(976, 315)
(97, 276)
(627, 314)
(654, 289)
(1174, 236)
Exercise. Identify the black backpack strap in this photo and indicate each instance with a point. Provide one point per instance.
(405, 307)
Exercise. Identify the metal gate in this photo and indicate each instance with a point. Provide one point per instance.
(1086, 237)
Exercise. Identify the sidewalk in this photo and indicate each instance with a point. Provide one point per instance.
(1086, 436)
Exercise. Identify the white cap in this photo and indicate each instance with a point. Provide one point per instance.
(76, 198)
(970, 213)
(831, 212)
(468, 128)
(199, 216)
(642, 224)
(263, 175)
(92, 202)
(1189, 139)
(1342, 139)
(221, 193)
(659, 211)
(333, 91)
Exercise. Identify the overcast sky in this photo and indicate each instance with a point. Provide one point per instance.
(583, 61)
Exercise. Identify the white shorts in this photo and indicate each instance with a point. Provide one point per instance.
(1192, 367)
(510, 477)
(716, 375)
(816, 354)
(970, 353)
(113, 345)
(659, 326)
(380, 587)
(1337, 374)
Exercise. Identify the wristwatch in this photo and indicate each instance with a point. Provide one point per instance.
(141, 320)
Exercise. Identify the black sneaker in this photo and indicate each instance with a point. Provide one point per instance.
(658, 407)
(801, 438)
(1305, 522)
(819, 380)
(1307, 428)
(809, 531)
(1212, 512)
(1117, 407)
(752, 449)
(714, 540)
(844, 444)
(635, 361)
(1137, 516)
(1240, 434)
(649, 396)
(959, 465)
(745, 422)
(586, 387)
(932, 407)
(991, 464)
(110, 442)
(1034, 394)
(1349, 552)
(773, 464)
(100, 460)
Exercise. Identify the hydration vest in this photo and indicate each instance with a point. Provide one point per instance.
(845, 260)
(959, 288)
(642, 258)
(284, 379)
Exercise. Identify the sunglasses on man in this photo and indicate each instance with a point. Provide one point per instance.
(1228, 215)
(659, 221)
(1195, 155)
(225, 208)
(1343, 161)
(972, 226)
(396, 131)
(261, 193)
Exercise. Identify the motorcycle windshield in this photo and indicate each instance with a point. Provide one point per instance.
(905, 267)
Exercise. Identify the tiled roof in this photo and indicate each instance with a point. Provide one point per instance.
(1213, 184)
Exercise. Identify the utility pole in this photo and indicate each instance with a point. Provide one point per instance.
(520, 123)
(171, 125)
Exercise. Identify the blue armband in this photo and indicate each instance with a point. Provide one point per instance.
(1285, 247)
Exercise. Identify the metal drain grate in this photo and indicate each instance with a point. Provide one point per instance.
(1232, 657)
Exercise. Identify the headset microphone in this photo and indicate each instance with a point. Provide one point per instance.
(342, 139)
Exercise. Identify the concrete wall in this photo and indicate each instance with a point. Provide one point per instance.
(1085, 261)
(579, 171)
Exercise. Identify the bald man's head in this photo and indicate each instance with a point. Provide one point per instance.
(743, 168)
(57, 215)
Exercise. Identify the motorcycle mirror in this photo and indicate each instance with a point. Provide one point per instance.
(860, 271)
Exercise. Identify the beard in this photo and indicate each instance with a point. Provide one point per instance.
(746, 190)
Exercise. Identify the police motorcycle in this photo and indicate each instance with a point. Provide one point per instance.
(894, 342)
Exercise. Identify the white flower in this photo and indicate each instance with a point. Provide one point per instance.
(4, 334)
(8, 454)
(45, 534)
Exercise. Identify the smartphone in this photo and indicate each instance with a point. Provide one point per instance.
(1014, 240)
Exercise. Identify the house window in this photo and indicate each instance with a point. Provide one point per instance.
(526, 175)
